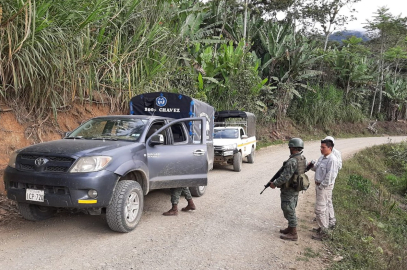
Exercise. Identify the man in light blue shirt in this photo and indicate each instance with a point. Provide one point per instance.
(326, 170)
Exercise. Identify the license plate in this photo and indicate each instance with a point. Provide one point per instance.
(34, 195)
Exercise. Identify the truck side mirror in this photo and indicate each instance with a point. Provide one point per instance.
(66, 134)
(244, 137)
(156, 139)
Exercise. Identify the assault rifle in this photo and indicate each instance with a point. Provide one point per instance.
(278, 173)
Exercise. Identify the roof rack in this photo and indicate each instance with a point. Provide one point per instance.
(231, 123)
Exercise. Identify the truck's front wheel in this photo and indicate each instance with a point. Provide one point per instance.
(35, 212)
(250, 158)
(197, 191)
(124, 212)
(237, 162)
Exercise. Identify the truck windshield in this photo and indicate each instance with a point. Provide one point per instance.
(226, 133)
(110, 129)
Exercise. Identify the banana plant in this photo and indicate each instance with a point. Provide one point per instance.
(396, 92)
(230, 76)
(288, 61)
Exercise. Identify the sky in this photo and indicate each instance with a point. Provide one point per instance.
(366, 9)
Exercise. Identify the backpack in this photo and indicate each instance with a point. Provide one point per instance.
(300, 182)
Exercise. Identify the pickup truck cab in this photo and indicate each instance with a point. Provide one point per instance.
(234, 138)
(109, 163)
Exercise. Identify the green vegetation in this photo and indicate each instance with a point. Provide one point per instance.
(370, 200)
(308, 254)
(329, 100)
(54, 52)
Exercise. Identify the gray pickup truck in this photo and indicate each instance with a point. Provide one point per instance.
(109, 163)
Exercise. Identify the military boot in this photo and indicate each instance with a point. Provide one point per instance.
(291, 235)
(172, 212)
(285, 231)
(190, 206)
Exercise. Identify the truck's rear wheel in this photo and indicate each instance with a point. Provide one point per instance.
(250, 158)
(197, 191)
(35, 212)
(237, 162)
(124, 212)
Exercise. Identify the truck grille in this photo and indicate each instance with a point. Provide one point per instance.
(51, 158)
(218, 150)
(43, 163)
(47, 189)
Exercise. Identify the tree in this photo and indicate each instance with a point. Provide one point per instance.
(350, 64)
(287, 62)
(326, 13)
(386, 31)
(395, 56)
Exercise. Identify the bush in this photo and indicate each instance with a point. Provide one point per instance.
(323, 107)
(372, 222)
(360, 184)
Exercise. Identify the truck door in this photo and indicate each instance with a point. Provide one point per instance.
(244, 143)
(180, 161)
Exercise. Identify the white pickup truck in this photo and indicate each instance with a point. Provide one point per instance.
(234, 138)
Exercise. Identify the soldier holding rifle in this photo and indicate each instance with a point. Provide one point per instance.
(293, 167)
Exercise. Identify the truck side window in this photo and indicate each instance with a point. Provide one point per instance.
(241, 133)
(154, 127)
(178, 133)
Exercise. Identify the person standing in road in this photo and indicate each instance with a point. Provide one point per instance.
(326, 170)
(175, 195)
(293, 167)
(330, 208)
(335, 151)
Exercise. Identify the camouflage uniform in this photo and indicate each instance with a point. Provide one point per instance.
(176, 193)
(288, 195)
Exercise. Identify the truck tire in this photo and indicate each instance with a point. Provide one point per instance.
(250, 157)
(197, 191)
(124, 212)
(35, 212)
(237, 162)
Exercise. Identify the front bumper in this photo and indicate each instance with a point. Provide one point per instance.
(224, 153)
(62, 189)
(224, 156)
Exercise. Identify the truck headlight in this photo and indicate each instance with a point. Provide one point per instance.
(90, 164)
(12, 160)
(230, 147)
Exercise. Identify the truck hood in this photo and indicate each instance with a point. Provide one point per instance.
(222, 142)
(79, 147)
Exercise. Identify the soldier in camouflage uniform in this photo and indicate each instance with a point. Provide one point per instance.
(175, 195)
(293, 167)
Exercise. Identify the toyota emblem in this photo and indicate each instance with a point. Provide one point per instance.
(40, 161)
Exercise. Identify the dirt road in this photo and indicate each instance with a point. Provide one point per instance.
(233, 227)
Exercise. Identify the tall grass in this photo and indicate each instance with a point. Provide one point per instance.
(323, 107)
(372, 221)
(53, 51)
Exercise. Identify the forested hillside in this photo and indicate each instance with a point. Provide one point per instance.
(232, 54)
(339, 36)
